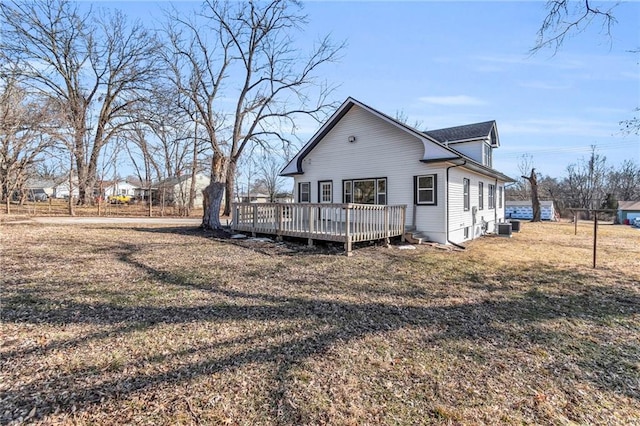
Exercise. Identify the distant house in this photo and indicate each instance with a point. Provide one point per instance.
(445, 177)
(61, 187)
(255, 197)
(118, 187)
(175, 190)
(628, 210)
(284, 197)
(524, 210)
(280, 197)
(45, 185)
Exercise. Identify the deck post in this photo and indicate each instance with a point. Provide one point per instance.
(311, 215)
(403, 217)
(347, 231)
(255, 220)
(278, 222)
(387, 232)
(234, 219)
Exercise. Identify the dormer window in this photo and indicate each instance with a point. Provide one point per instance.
(487, 158)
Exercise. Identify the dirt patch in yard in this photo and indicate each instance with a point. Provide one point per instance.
(173, 325)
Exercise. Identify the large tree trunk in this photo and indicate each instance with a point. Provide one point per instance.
(229, 188)
(213, 193)
(212, 203)
(535, 200)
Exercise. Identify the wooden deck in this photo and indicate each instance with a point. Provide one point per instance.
(346, 223)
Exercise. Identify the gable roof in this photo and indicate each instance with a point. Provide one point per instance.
(467, 132)
(628, 205)
(294, 167)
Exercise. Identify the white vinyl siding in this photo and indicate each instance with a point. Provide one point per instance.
(459, 219)
(472, 149)
(380, 150)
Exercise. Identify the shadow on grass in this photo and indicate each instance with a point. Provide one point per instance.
(328, 323)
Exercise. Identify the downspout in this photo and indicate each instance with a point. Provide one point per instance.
(446, 222)
(495, 206)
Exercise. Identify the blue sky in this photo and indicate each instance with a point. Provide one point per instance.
(450, 63)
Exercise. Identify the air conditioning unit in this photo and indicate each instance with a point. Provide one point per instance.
(504, 229)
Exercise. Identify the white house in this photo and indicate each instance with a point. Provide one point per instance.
(61, 188)
(175, 190)
(119, 187)
(445, 176)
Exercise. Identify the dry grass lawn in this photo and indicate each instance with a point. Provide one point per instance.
(104, 325)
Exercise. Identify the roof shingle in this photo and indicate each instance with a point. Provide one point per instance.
(460, 133)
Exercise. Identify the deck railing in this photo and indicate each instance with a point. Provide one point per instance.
(347, 223)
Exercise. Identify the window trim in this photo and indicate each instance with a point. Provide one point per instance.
(500, 191)
(321, 193)
(377, 194)
(300, 192)
(466, 199)
(417, 189)
(480, 195)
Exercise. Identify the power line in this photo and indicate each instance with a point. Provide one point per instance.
(572, 149)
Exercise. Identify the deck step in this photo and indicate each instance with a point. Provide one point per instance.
(416, 237)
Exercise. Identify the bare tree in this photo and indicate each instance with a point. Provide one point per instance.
(269, 176)
(236, 65)
(565, 17)
(535, 199)
(95, 66)
(586, 181)
(25, 121)
(624, 182)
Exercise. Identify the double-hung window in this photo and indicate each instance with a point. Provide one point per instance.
(425, 189)
(499, 197)
(304, 192)
(480, 195)
(365, 191)
(488, 157)
(492, 196)
(465, 194)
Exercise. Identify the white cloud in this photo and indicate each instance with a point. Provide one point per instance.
(458, 100)
(543, 85)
